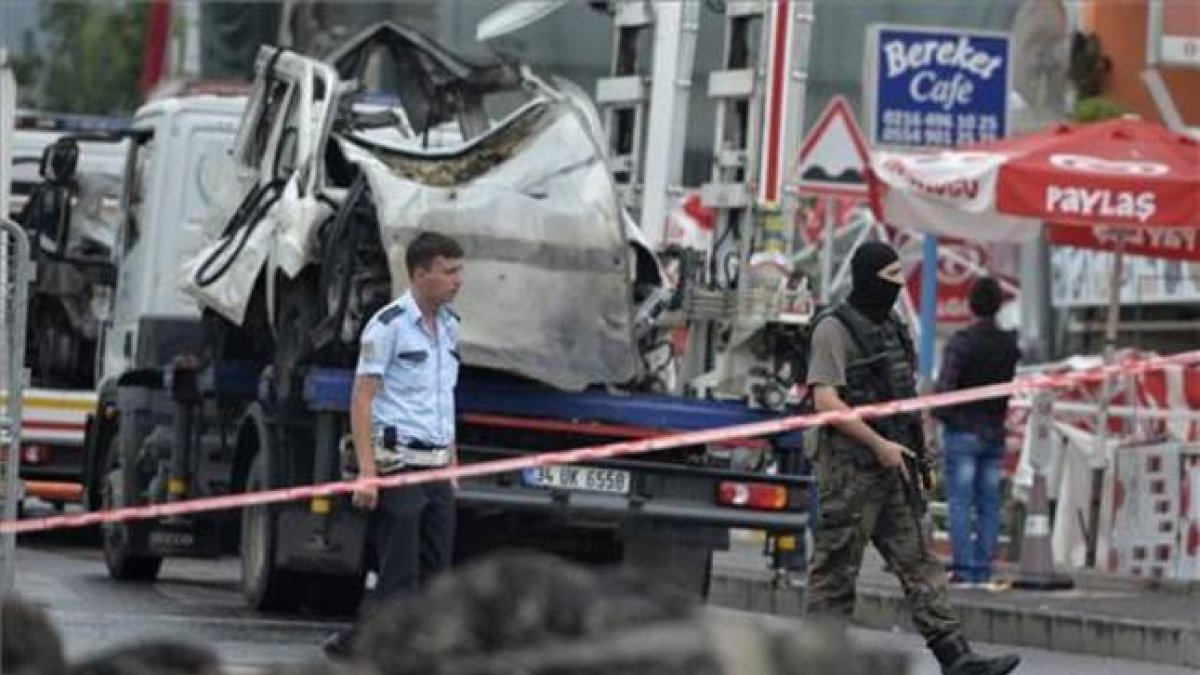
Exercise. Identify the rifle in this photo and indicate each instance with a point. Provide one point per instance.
(920, 476)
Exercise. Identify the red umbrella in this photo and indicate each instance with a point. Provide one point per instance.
(1125, 173)
(1132, 186)
(1130, 177)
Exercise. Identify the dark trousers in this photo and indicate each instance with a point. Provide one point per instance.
(413, 535)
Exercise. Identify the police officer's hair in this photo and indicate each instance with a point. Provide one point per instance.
(985, 297)
(427, 246)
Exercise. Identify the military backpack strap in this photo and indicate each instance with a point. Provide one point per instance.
(906, 340)
(856, 325)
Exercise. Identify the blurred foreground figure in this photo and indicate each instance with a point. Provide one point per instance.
(30, 643)
(538, 615)
(152, 657)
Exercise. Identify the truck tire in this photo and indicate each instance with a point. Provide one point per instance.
(265, 587)
(123, 564)
(336, 596)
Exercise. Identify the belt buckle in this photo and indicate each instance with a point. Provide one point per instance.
(426, 456)
(388, 461)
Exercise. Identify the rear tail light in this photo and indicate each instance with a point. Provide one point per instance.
(763, 496)
(36, 454)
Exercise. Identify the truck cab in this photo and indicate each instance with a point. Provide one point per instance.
(175, 173)
(178, 149)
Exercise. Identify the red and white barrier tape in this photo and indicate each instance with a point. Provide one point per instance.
(770, 427)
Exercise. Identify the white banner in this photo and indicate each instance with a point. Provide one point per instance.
(950, 194)
(1080, 278)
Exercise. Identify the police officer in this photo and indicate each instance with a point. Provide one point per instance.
(867, 471)
(402, 417)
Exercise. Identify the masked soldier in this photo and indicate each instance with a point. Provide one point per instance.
(868, 471)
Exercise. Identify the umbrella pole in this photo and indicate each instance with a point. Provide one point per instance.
(929, 296)
(1110, 349)
(1114, 301)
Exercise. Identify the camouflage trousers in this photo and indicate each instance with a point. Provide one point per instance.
(861, 504)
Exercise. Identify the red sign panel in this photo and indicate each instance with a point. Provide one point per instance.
(1171, 244)
(959, 264)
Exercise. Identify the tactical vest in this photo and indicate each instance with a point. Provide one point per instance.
(883, 372)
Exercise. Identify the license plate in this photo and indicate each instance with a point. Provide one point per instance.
(587, 478)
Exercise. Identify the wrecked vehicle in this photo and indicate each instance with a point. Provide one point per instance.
(335, 166)
(337, 189)
(65, 185)
(68, 210)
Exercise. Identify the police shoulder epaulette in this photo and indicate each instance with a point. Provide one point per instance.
(386, 316)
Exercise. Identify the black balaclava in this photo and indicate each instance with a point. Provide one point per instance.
(870, 294)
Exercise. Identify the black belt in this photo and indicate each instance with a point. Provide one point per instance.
(391, 439)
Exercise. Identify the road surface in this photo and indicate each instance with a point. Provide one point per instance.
(199, 600)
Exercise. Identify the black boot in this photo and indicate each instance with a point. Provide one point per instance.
(956, 657)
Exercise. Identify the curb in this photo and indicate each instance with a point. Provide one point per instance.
(1164, 642)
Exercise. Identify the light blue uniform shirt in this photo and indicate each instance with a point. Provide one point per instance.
(419, 372)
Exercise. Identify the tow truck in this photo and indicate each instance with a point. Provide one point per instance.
(227, 362)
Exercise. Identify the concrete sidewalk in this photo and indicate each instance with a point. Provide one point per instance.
(1101, 616)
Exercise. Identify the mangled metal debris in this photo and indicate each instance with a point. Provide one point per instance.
(338, 176)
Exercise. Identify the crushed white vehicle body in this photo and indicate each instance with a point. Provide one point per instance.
(332, 179)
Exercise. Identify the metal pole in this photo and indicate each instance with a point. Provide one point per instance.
(19, 272)
(676, 25)
(1036, 331)
(14, 256)
(1114, 301)
(1110, 348)
(8, 109)
(827, 252)
(8, 91)
(1154, 27)
(928, 333)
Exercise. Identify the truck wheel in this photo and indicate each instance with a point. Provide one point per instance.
(336, 596)
(123, 564)
(265, 587)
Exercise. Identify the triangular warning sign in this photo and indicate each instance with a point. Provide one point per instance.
(834, 157)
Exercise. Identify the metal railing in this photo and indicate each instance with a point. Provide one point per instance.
(15, 273)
